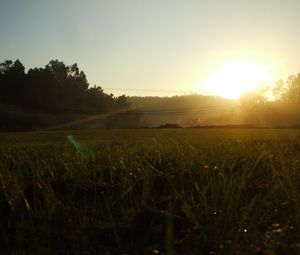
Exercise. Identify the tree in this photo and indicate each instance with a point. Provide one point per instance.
(293, 89)
(253, 106)
(288, 91)
(42, 90)
(121, 102)
(5, 67)
(279, 90)
(59, 71)
(251, 100)
(55, 88)
(12, 80)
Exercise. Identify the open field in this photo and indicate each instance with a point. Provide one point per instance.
(150, 191)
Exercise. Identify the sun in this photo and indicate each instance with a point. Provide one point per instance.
(233, 79)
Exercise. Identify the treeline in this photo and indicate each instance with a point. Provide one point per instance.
(59, 96)
(185, 110)
(289, 90)
(277, 106)
(56, 88)
(192, 101)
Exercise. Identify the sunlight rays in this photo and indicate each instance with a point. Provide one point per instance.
(233, 79)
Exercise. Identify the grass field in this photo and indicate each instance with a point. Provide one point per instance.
(150, 191)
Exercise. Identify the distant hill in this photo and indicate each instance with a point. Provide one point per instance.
(187, 110)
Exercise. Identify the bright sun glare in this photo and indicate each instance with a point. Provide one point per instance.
(234, 79)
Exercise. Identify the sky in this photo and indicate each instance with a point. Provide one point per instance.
(155, 47)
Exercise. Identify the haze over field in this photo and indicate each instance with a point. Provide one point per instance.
(158, 47)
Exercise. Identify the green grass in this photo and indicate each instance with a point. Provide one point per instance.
(150, 191)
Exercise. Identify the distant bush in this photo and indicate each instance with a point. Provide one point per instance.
(170, 125)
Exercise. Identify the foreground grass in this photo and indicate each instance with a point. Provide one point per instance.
(150, 192)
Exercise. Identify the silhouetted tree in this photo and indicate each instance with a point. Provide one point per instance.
(252, 100)
(293, 89)
(121, 102)
(288, 91)
(253, 107)
(55, 88)
(279, 90)
(12, 81)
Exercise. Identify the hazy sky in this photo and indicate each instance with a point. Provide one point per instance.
(151, 45)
